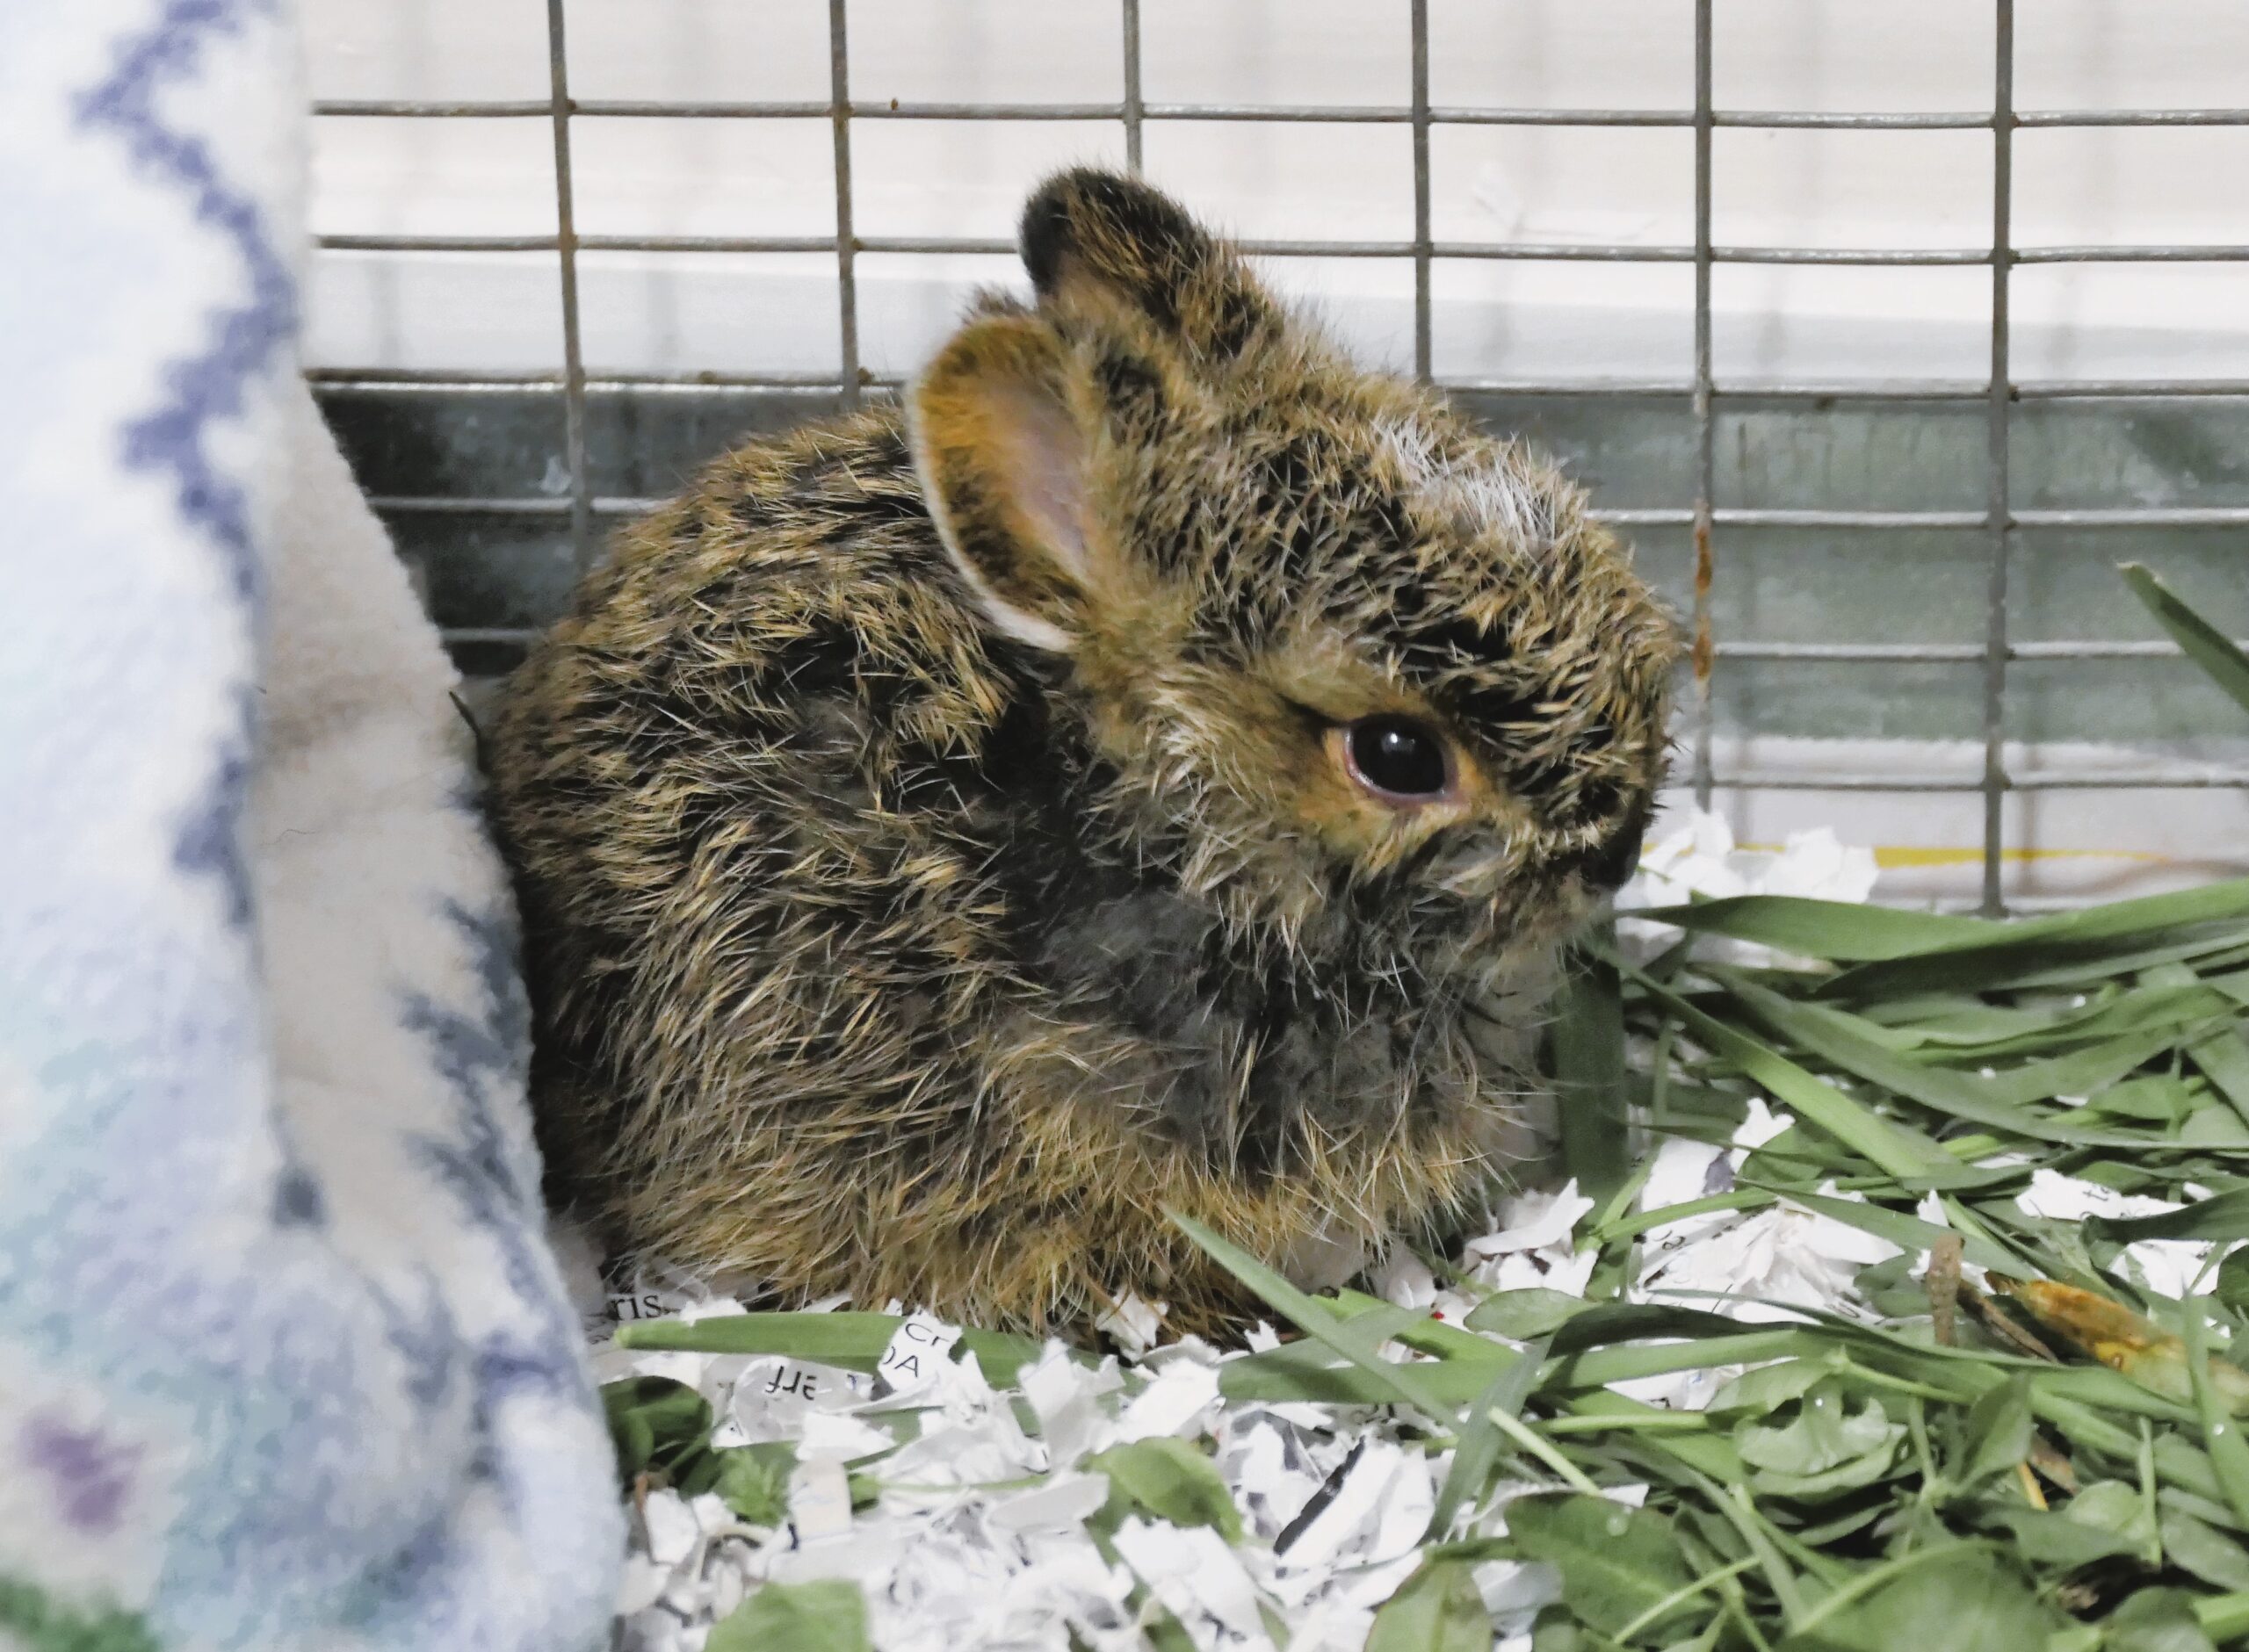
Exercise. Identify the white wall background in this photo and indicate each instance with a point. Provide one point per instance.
(1559, 321)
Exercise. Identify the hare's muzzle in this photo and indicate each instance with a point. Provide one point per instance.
(1609, 865)
(1616, 861)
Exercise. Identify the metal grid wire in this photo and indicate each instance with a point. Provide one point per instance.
(1999, 519)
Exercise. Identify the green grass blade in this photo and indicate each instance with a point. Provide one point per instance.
(1309, 1370)
(2118, 931)
(1711, 1454)
(1601, 1366)
(1998, 1103)
(1318, 1322)
(1837, 930)
(2212, 946)
(1632, 1224)
(2203, 643)
(850, 1341)
(1424, 1335)
(1887, 1146)
(2223, 1056)
(1603, 1323)
(2143, 1009)
(1589, 1046)
(1907, 1233)
(2229, 1453)
(2225, 1217)
(1477, 1448)
(2223, 1059)
(1453, 1382)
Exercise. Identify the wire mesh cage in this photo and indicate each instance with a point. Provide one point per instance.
(1899, 583)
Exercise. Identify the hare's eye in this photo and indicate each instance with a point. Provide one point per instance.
(1398, 759)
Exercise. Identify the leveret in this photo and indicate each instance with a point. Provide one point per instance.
(1149, 770)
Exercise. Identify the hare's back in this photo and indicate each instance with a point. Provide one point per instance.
(772, 713)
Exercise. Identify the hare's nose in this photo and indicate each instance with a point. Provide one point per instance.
(1611, 864)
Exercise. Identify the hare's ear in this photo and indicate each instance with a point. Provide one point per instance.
(1090, 236)
(1003, 458)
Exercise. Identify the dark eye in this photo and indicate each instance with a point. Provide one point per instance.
(1397, 757)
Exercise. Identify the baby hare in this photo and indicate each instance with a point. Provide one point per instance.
(1124, 777)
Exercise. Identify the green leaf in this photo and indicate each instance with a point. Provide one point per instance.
(1438, 1609)
(1891, 1290)
(1956, 1017)
(2047, 1539)
(2115, 1508)
(1477, 1447)
(2158, 1099)
(2213, 1127)
(2156, 1620)
(2196, 1547)
(1166, 1633)
(2232, 1284)
(828, 1616)
(2229, 1454)
(1519, 1315)
(658, 1426)
(1617, 1563)
(670, 1412)
(1556, 1631)
(2224, 1059)
(1766, 1388)
(2202, 642)
(1173, 1480)
(1962, 1598)
(2225, 1217)
(1587, 1041)
(2225, 1617)
(1999, 1429)
(754, 1482)
(1825, 1447)
(1854, 1476)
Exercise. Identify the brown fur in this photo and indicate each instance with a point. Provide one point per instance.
(934, 844)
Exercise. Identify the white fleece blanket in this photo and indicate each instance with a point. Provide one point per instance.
(283, 1357)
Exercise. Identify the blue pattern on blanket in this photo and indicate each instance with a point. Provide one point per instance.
(270, 1376)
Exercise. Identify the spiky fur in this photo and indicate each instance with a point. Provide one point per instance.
(920, 915)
